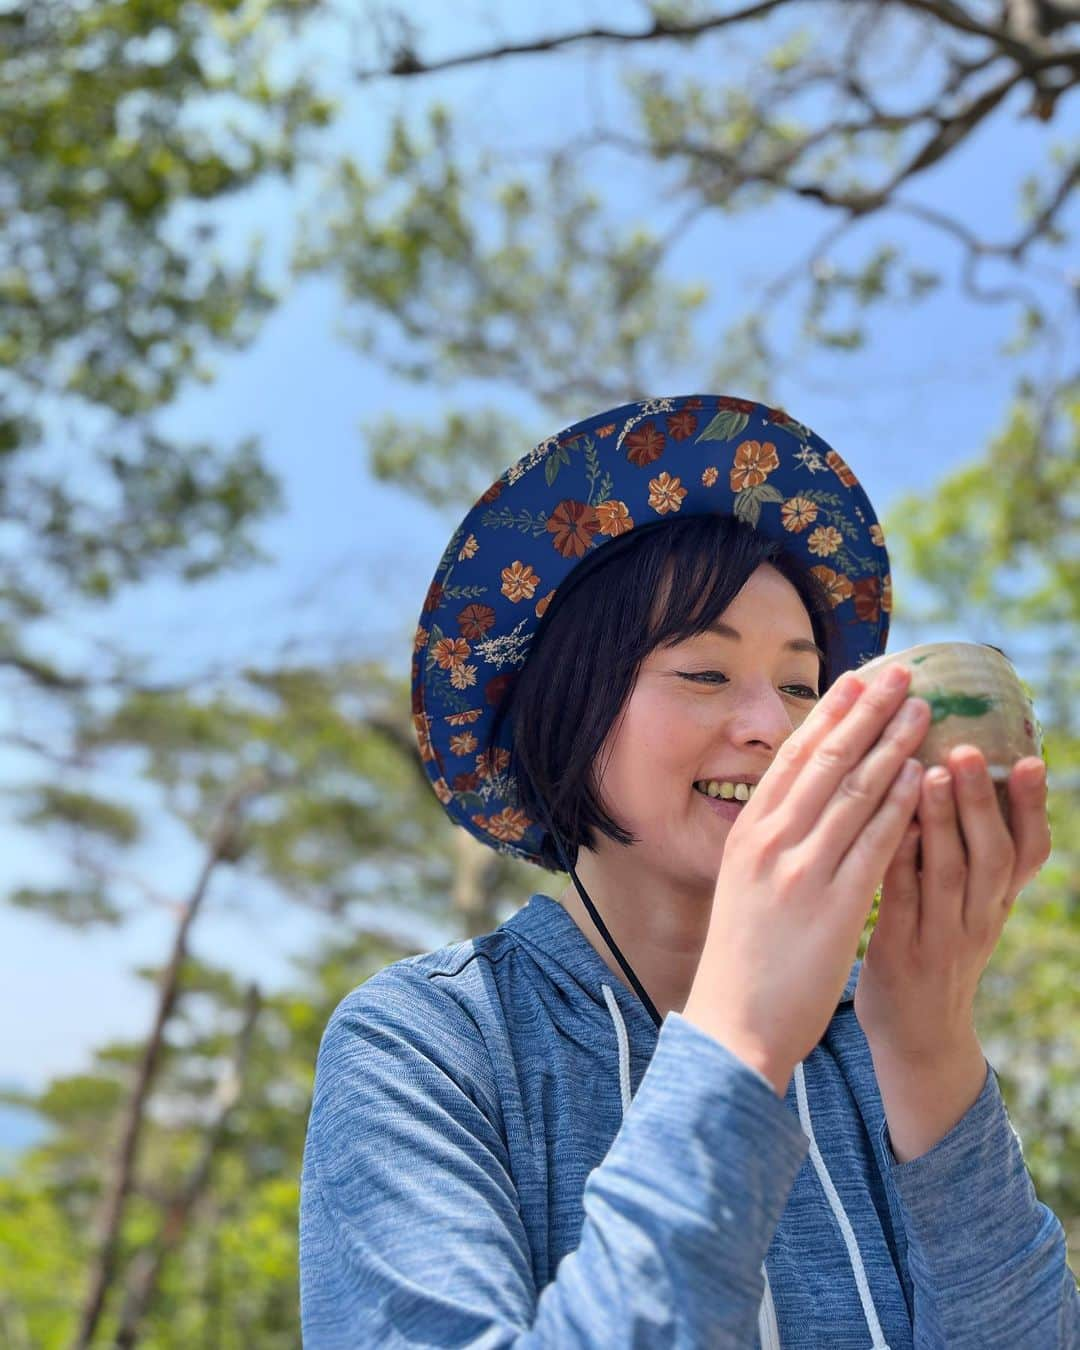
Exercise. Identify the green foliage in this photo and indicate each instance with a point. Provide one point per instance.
(446, 465)
(1015, 507)
(60, 806)
(79, 905)
(117, 120)
(233, 1278)
(518, 279)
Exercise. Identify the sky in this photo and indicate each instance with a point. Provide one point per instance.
(352, 557)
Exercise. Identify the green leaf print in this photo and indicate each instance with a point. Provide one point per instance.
(554, 462)
(464, 592)
(725, 425)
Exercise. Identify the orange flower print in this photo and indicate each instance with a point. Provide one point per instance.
(605, 430)
(464, 744)
(508, 824)
(541, 605)
(572, 526)
(837, 585)
(681, 425)
(824, 540)
(468, 548)
(666, 494)
(492, 493)
(833, 460)
(463, 677)
(433, 599)
(463, 719)
(491, 762)
(876, 535)
(475, 620)
(644, 445)
(735, 405)
(868, 598)
(711, 474)
(442, 790)
(754, 461)
(451, 652)
(886, 594)
(466, 782)
(419, 638)
(519, 581)
(797, 513)
(614, 518)
(778, 415)
(423, 735)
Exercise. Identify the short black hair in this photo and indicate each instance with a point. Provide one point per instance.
(598, 629)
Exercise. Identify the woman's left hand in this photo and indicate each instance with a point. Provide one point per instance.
(938, 926)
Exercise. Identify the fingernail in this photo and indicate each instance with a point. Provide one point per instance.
(911, 712)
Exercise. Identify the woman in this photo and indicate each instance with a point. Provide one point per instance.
(668, 1108)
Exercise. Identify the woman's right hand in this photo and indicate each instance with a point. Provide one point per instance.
(800, 868)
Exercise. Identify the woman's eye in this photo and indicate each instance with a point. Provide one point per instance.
(714, 676)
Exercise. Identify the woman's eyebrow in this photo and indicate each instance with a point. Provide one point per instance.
(795, 645)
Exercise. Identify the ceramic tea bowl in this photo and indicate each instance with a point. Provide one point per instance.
(976, 698)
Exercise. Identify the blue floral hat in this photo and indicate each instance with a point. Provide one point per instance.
(571, 495)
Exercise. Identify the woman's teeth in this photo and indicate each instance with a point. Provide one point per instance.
(740, 792)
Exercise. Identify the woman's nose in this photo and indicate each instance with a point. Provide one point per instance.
(763, 718)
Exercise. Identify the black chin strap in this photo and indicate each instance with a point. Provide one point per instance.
(636, 984)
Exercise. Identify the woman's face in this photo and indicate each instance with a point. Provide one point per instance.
(714, 707)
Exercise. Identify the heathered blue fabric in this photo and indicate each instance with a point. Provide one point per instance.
(470, 1178)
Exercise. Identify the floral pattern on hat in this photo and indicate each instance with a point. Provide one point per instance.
(568, 496)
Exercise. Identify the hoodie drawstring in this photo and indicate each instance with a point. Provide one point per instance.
(768, 1331)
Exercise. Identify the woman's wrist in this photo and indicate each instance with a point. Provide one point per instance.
(752, 1053)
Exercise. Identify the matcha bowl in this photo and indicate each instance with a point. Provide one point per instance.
(976, 698)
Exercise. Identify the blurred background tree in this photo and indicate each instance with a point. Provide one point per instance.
(525, 288)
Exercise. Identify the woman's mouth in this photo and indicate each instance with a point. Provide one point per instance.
(727, 806)
(728, 809)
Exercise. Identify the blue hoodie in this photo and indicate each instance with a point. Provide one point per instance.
(503, 1151)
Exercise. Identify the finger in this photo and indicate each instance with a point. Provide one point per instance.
(814, 759)
(944, 862)
(1030, 822)
(860, 791)
(861, 867)
(991, 856)
(898, 915)
(830, 712)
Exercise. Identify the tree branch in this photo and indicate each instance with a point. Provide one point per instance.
(406, 63)
(1030, 55)
(104, 1266)
(147, 1267)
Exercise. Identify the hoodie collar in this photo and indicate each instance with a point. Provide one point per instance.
(554, 940)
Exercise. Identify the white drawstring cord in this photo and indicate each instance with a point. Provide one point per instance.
(877, 1337)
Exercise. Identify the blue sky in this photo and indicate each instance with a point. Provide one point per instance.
(352, 558)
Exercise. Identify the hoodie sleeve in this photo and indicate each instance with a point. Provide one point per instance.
(410, 1225)
(987, 1259)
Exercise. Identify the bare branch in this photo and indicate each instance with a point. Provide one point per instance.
(406, 63)
(1028, 50)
